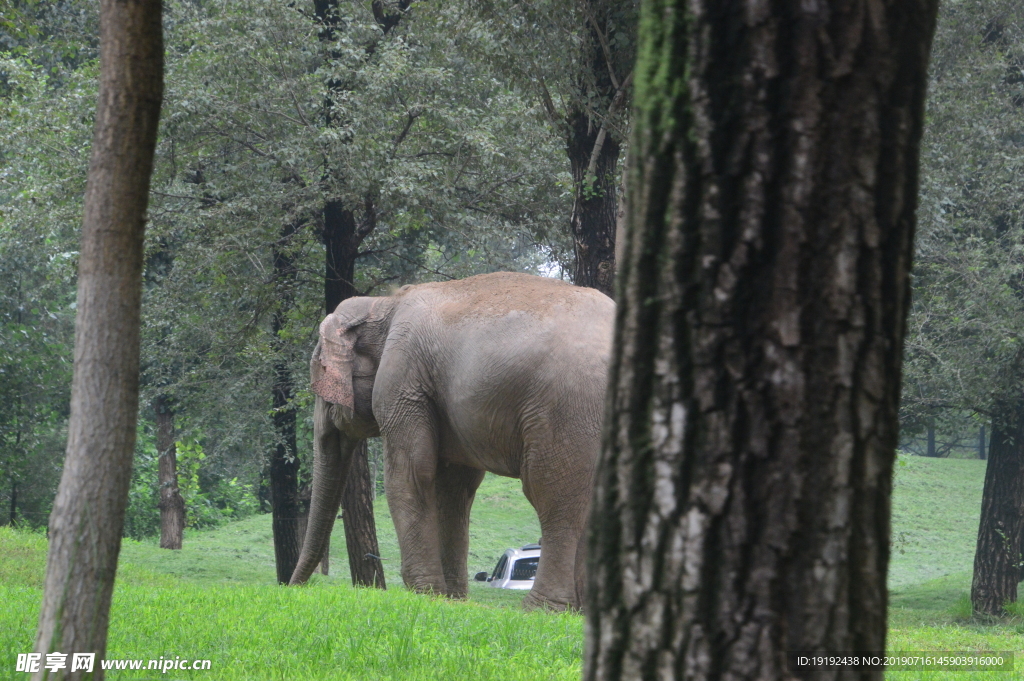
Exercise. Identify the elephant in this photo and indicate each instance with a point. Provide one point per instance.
(503, 372)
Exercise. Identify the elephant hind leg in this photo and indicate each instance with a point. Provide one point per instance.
(562, 502)
(456, 486)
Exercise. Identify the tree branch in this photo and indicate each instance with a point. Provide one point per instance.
(369, 221)
(604, 48)
(412, 115)
(603, 132)
(545, 98)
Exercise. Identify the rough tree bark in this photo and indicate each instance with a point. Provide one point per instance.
(284, 462)
(997, 558)
(172, 506)
(361, 531)
(742, 503)
(88, 512)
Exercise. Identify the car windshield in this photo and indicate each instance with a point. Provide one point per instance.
(525, 568)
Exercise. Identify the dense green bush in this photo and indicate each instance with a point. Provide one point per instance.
(142, 518)
(210, 499)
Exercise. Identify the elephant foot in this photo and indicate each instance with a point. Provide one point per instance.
(537, 601)
(458, 589)
(427, 585)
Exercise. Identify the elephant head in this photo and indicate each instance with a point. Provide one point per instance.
(342, 370)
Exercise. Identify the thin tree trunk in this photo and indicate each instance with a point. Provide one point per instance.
(361, 531)
(997, 558)
(88, 512)
(620, 217)
(325, 562)
(931, 442)
(374, 473)
(284, 476)
(172, 506)
(14, 502)
(741, 508)
(981, 443)
(284, 463)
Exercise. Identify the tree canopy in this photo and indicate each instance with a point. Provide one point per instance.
(433, 134)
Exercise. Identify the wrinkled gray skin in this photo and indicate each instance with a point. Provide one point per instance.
(499, 372)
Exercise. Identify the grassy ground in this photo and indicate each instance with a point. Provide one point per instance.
(243, 552)
(936, 503)
(322, 632)
(935, 510)
(216, 599)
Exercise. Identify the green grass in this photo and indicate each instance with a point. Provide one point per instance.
(242, 552)
(935, 615)
(321, 632)
(216, 599)
(936, 503)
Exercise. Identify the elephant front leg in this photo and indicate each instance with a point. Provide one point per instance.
(409, 482)
(455, 487)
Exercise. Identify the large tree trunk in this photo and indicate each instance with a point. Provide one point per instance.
(595, 204)
(742, 502)
(342, 239)
(172, 506)
(88, 512)
(997, 559)
(593, 151)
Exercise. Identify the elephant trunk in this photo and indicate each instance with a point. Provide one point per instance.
(332, 451)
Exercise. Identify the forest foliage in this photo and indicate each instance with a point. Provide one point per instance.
(450, 133)
(964, 352)
(433, 132)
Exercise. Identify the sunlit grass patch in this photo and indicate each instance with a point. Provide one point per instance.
(269, 632)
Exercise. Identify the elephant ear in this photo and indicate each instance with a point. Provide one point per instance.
(333, 359)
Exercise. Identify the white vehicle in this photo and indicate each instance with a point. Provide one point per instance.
(516, 569)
